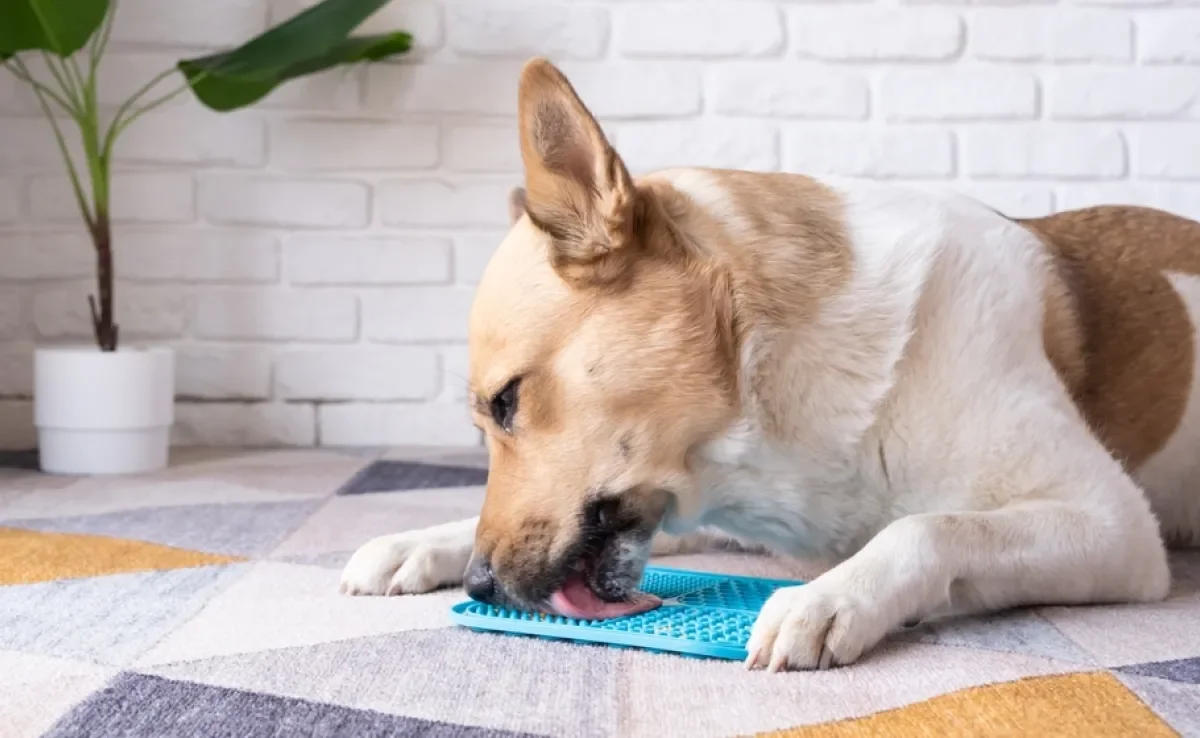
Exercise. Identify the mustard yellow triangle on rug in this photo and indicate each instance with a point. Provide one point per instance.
(1087, 705)
(28, 556)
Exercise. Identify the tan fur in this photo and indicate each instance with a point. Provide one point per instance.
(1133, 332)
(555, 304)
(791, 226)
(634, 288)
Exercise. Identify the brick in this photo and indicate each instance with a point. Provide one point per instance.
(141, 312)
(723, 144)
(1124, 3)
(469, 87)
(10, 200)
(610, 90)
(615, 90)
(958, 93)
(1175, 198)
(439, 203)
(699, 29)
(208, 24)
(367, 373)
(292, 315)
(456, 373)
(349, 260)
(1122, 93)
(1167, 151)
(379, 424)
(870, 152)
(196, 256)
(136, 197)
(17, 432)
(524, 30)
(1081, 152)
(12, 313)
(472, 148)
(421, 18)
(756, 89)
(16, 370)
(240, 425)
(876, 34)
(46, 255)
(272, 201)
(1169, 36)
(472, 252)
(1012, 34)
(217, 372)
(14, 95)
(1005, 3)
(192, 137)
(29, 142)
(417, 314)
(315, 145)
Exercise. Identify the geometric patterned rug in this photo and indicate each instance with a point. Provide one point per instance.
(203, 601)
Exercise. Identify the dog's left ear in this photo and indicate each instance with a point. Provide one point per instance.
(577, 189)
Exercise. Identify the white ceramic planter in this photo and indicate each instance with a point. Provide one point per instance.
(103, 412)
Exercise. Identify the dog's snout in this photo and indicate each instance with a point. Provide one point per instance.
(605, 516)
(479, 581)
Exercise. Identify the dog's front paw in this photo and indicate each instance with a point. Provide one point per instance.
(411, 563)
(813, 626)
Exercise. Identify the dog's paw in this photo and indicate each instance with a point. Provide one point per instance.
(408, 563)
(813, 627)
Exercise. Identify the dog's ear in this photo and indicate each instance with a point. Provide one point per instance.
(578, 189)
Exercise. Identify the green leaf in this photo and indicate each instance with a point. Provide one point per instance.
(315, 40)
(58, 26)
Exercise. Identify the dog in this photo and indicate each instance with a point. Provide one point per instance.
(968, 412)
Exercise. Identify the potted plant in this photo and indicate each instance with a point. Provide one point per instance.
(108, 407)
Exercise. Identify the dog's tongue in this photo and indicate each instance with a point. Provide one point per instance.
(577, 600)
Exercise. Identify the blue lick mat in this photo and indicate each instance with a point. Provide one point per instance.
(702, 615)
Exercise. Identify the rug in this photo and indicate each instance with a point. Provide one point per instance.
(202, 601)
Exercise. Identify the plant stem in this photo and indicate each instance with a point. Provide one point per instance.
(120, 122)
(97, 158)
(103, 323)
(118, 126)
(62, 77)
(100, 42)
(76, 74)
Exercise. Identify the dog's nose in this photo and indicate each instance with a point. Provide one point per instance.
(479, 582)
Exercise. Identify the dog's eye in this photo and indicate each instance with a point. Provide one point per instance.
(504, 405)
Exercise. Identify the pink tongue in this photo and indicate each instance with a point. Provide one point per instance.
(577, 600)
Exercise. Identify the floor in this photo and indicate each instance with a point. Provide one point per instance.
(202, 601)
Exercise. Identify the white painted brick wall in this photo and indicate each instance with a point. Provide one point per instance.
(10, 200)
(374, 373)
(866, 33)
(312, 259)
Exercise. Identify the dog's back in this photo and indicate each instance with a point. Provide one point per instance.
(1122, 332)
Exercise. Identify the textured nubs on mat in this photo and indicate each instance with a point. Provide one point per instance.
(702, 615)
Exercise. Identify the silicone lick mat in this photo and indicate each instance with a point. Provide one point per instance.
(702, 615)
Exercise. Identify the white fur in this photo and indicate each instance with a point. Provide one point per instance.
(930, 444)
(423, 560)
(941, 452)
(1171, 477)
(411, 563)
